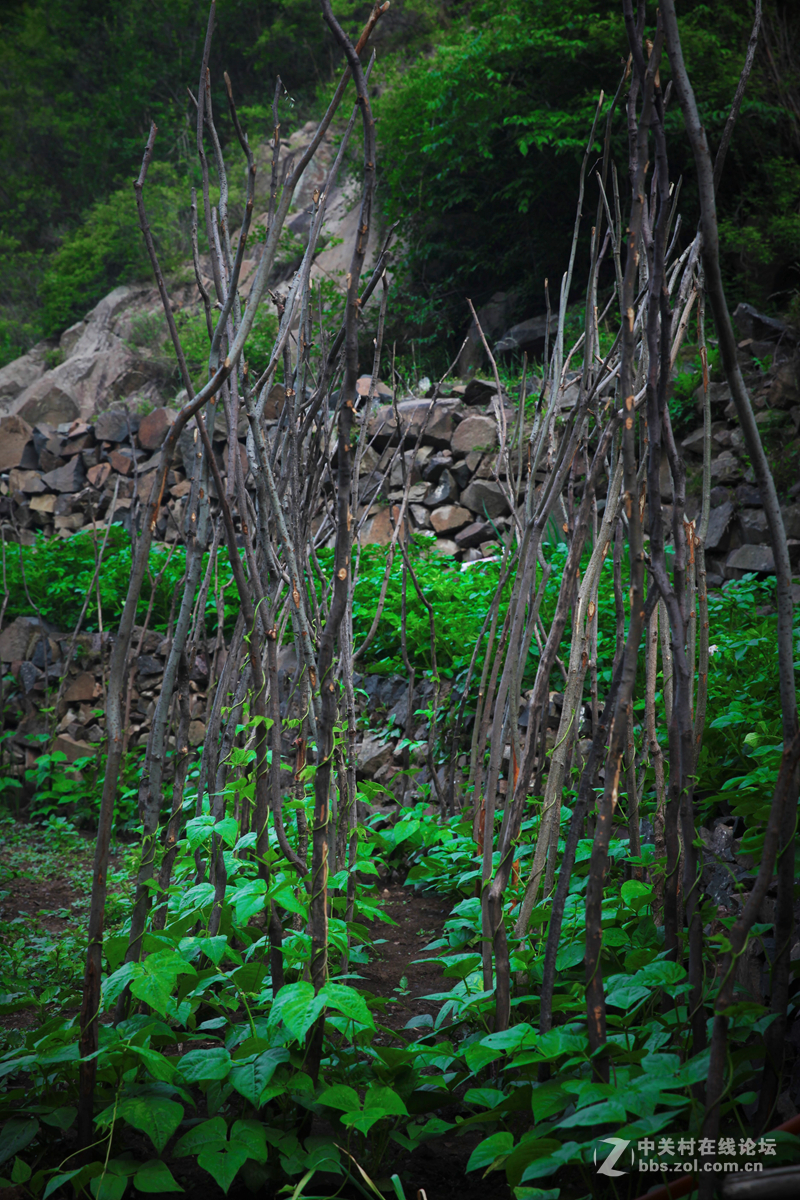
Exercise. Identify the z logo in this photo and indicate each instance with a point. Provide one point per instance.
(607, 1168)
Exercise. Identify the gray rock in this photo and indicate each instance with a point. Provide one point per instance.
(485, 498)
(527, 335)
(113, 426)
(474, 534)
(750, 558)
(753, 522)
(148, 665)
(436, 465)
(15, 436)
(493, 318)
(445, 492)
(475, 433)
(69, 478)
(450, 518)
(718, 522)
(16, 639)
(29, 482)
(727, 467)
(748, 496)
(791, 520)
(422, 518)
(371, 755)
(754, 324)
(49, 400)
(18, 375)
(479, 391)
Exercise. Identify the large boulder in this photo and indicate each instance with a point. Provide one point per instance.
(100, 365)
(436, 417)
(718, 523)
(485, 498)
(750, 558)
(49, 400)
(526, 336)
(20, 374)
(475, 433)
(154, 428)
(450, 518)
(15, 434)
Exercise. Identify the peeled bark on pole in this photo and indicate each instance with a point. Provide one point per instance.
(786, 792)
(341, 586)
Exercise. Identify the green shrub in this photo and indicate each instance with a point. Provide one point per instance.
(108, 248)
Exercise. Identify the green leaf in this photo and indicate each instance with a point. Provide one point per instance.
(251, 1078)
(17, 1133)
(199, 1066)
(56, 1182)
(627, 996)
(157, 981)
(223, 1165)
(108, 1187)
(154, 1115)
(570, 956)
(342, 1097)
(61, 1118)
(215, 947)
(596, 1114)
(155, 1176)
(348, 1001)
(20, 1172)
(384, 1098)
(251, 1135)
(632, 889)
(228, 830)
(298, 1008)
(529, 1150)
(210, 1134)
(490, 1149)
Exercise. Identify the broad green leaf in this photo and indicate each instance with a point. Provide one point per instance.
(223, 1165)
(154, 1115)
(215, 947)
(198, 829)
(197, 897)
(157, 1064)
(17, 1133)
(248, 899)
(659, 974)
(251, 1135)
(596, 1114)
(384, 1098)
(627, 996)
(348, 1001)
(59, 1180)
(298, 1008)
(157, 981)
(228, 830)
(363, 1121)
(21, 1172)
(527, 1152)
(108, 1187)
(199, 1066)
(490, 1149)
(155, 1176)
(210, 1134)
(570, 956)
(251, 1078)
(61, 1118)
(342, 1097)
(632, 889)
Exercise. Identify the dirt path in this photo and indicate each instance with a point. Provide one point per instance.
(420, 918)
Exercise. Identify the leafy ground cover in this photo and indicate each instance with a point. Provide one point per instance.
(205, 1084)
